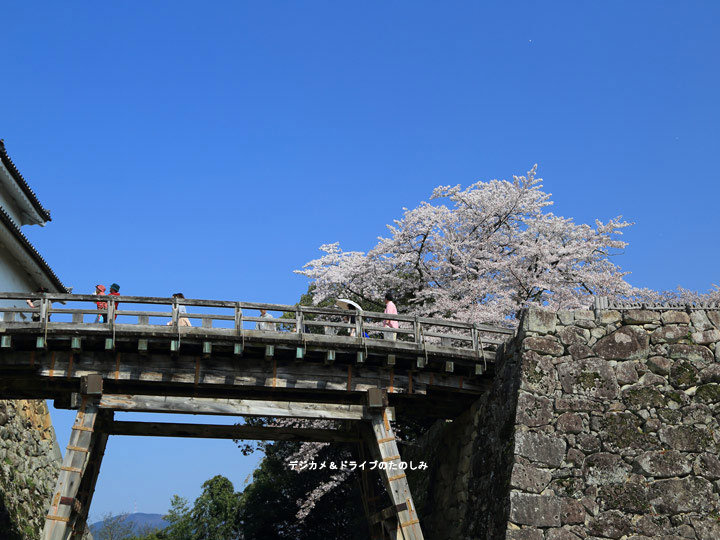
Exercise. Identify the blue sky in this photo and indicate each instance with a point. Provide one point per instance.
(211, 148)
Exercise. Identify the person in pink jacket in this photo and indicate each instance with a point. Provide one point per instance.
(390, 309)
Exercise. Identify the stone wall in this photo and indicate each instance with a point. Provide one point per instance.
(29, 465)
(599, 425)
(616, 430)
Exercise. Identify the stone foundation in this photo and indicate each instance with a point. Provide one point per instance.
(29, 465)
(599, 425)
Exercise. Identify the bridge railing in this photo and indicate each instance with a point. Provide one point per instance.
(124, 311)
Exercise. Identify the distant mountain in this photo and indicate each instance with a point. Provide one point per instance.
(140, 522)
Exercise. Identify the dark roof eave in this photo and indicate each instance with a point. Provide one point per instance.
(29, 193)
(31, 251)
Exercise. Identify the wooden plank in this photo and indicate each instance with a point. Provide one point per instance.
(238, 432)
(232, 407)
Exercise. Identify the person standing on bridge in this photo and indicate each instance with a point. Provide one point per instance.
(390, 309)
(266, 326)
(115, 291)
(101, 317)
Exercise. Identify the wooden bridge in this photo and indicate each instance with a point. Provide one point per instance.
(306, 362)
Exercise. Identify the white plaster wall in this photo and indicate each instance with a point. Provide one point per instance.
(13, 278)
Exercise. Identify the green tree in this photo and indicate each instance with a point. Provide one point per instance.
(213, 516)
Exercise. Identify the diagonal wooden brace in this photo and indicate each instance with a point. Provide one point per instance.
(408, 525)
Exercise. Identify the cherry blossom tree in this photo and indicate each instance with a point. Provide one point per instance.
(480, 254)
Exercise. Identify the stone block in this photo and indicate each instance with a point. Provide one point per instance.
(623, 430)
(686, 438)
(663, 464)
(544, 345)
(625, 343)
(570, 423)
(625, 373)
(610, 524)
(692, 353)
(540, 448)
(560, 534)
(706, 337)
(700, 321)
(609, 316)
(538, 374)
(579, 351)
(540, 321)
(524, 534)
(535, 510)
(578, 404)
(641, 316)
(708, 393)
(629, 497)
(674, 317)
(566, 316)
(659, 365)
(572, 335)
(533, 410)
(671, 333)
(638, 397)
(529, 478)
(572, 512)
(605, 468)
(706, 528)
(676, 496)
(684, 374)
(589, 377)
(711, 373)
(707, 466)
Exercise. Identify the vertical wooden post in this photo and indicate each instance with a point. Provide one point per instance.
(408, 527)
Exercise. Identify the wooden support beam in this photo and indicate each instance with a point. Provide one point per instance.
(233, 407)
(89, 479)
(408, 524)
(60, 520)
(238, 432)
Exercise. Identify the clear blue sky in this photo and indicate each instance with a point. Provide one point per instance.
(212, 147)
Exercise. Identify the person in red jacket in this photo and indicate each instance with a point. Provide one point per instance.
(102, 317)
(115, 291)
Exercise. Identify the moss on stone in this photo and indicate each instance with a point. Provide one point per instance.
(589, 379)
(644, 397)
(683, 375)
(708, 393)
(624, 431)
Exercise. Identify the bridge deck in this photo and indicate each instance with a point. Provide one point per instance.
(305, 363)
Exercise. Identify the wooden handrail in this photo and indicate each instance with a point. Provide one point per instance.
(418, 329)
